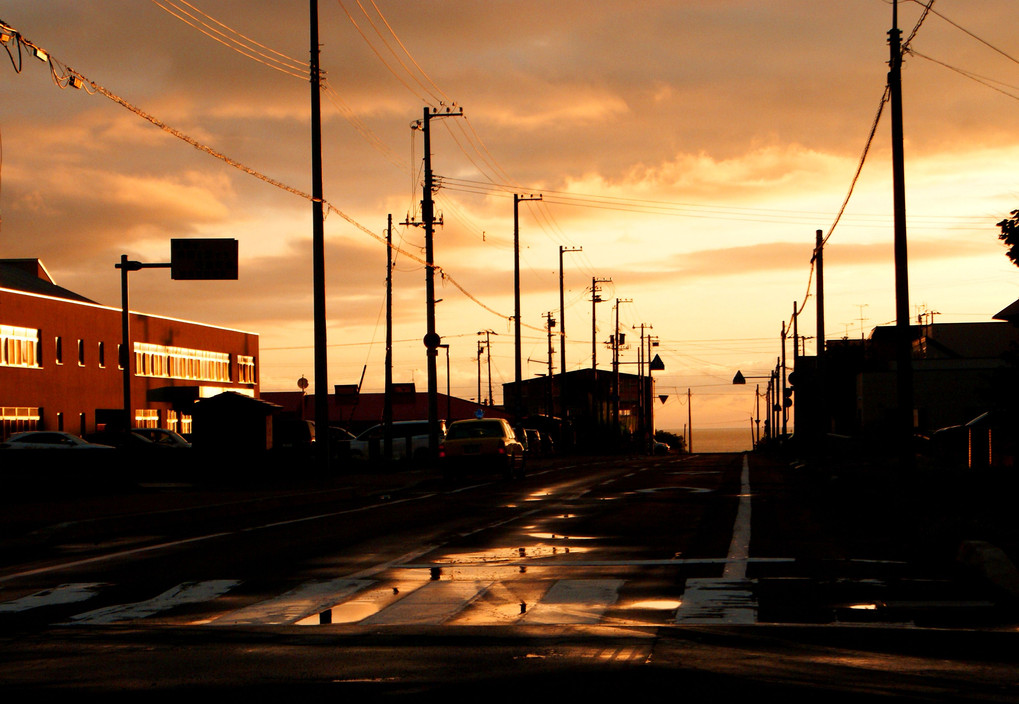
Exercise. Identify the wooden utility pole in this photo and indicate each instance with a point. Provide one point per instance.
(432, 339)
(518, 364)
(387, 408)
(549, 325)
(562, 331)
(318, 255)
(904, 341)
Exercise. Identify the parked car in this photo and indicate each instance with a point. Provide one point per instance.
(293, 435)
(661, 448)
(482, 443)
(410, 441)
(163, 437)
(49, 440)
(121, 440)
(339, 443)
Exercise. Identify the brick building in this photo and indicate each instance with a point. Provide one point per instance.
(60, 360)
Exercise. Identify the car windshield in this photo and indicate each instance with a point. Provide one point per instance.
(475, 430)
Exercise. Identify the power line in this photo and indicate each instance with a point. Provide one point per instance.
(64, 76)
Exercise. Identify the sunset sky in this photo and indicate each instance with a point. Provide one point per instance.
(690, 148)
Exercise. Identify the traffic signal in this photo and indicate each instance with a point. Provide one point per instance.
(787, 394)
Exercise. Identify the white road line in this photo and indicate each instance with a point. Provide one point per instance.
(574, 601)
(63, 594)
(739, 548)
(186, 593)
(289, 608)
(729, 599)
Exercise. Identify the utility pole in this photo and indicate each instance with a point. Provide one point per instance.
(785, 414)
(488, 348)
(518, 365)
(642, 397)
(387, 408)
(549, 324)
(432, 339)
(617, 341)
(689, 421)
(318, 253)
(595, 300)
(480, 400)
(820, 391)
(562, 332)
(904, 342)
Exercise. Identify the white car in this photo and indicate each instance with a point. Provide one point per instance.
(49, 440)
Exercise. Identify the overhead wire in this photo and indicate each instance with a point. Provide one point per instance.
(193, 17)
(61, 72)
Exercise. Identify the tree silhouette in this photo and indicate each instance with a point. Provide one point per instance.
(1010, 236)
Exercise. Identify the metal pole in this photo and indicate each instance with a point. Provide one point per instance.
(125, 347)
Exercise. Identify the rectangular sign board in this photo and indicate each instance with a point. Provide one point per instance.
(198, 259)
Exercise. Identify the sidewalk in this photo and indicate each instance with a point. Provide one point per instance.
(961, 520)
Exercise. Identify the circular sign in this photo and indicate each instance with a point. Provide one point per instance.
(479, 413)
(432, 340)
(302, 383)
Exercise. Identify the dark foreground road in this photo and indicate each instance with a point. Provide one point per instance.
(702, 578)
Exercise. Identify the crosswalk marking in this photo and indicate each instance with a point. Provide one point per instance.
(186, 593)
(718, 601)
(574, 601)
(305, 600)
(432, 604)
(63, 594)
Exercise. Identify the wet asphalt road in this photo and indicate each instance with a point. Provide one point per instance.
(589, 577)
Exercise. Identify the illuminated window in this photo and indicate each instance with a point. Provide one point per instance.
(102, 354)
(146, 418)
(15, 419)
(19, 347)
(81, 353)
(245, 369)
(180, 363)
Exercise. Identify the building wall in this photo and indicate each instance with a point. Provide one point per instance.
(67, 389)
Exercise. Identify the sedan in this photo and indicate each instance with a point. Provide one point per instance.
(485, 442)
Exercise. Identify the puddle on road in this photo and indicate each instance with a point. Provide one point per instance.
(365, 604)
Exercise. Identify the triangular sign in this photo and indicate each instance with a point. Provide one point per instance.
(657, 364)
(663, 397)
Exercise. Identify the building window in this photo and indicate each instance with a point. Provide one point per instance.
(60, 421)
(120, 357)
(180, 363)
(146, 418)
(81, 353)
(245, 369)
(15, 419)
(102, 354)
(81, 424)
(58, 355)
(19, 347)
